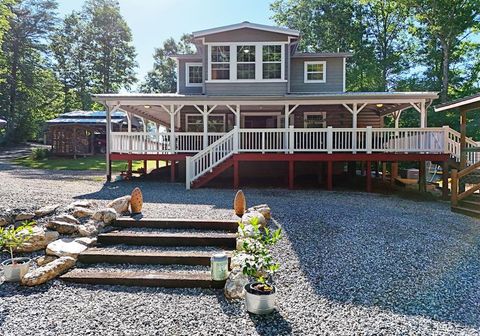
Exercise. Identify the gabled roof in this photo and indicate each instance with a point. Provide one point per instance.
(458, 103)
(246, 24)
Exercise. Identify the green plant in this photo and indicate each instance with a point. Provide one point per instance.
(257, 261)
(39, 153)
(13, 237)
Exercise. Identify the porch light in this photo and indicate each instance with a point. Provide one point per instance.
(379, 105)
(147, 106)
(246, 51)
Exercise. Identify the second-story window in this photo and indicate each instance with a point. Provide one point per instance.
(315, 72)
(194, 74)
(272, 62)
(246, 62)
(220, 62)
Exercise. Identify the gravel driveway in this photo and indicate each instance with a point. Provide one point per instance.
(352, 264)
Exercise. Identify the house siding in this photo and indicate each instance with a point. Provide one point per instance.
(182, 88)
(338, 117)
(245, 89)
(334, 81)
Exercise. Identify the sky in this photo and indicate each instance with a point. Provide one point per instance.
(153, 21)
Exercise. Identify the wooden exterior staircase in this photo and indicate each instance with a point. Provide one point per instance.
(465, 184)
(162, 244)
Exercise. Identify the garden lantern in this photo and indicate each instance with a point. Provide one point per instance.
(219, 266)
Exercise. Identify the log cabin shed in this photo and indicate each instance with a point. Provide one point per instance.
(83, 132)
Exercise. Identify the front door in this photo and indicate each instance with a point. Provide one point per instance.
(260, 122)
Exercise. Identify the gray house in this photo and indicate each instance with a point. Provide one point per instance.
(249, 104)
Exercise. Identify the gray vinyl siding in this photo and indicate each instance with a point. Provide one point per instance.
(246, 89)
(246, 35)
(334, 81)
(182, 88)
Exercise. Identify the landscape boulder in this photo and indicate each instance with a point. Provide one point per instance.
(248, 216)
(63, 227)
(83, 204)
(264, 209)
(4, 221)
(38, 241)
(65, 247)
(121, 204)
(43, 260)
(107, 215)
(235, 285)
(24, 216)
(48, 272)
(46, 210)
(87, 241)
(80, 212)
(66, 218)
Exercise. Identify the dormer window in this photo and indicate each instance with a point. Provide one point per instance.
(246, 62)
(220, 62)
(194, 74)
(315, 72)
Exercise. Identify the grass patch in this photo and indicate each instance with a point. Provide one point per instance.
(86, 163)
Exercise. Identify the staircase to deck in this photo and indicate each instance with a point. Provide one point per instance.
(171, 253)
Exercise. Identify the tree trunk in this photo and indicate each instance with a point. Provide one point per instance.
(445, 72)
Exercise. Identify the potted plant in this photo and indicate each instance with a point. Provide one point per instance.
(10, 239)
(259, 265)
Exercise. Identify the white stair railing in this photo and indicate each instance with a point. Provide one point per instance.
(210, 157)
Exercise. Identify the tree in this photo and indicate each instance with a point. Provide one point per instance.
(5, 15)
(111, 50)
(24, 48)
(163, 77)
(443, 26)
(72, 64)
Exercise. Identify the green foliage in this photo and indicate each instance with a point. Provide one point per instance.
(258, 262)
(39, 153)
(163, 77)
(13, 237)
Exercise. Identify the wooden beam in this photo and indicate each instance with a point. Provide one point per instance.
(291, 174)
(368, 174)
(236, 177)
(422, 177)
(445, 181)
(172, 171)
(330, 175)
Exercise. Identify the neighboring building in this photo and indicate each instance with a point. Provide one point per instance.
(83, 132)
(249, 104)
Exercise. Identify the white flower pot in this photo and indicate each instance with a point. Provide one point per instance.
(15, 272)
(259, 304)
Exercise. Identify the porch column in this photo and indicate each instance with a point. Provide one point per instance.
(286, 144)
(354, 110)
(396, 116)
(423, 115)
(108, 138)
(463, 138)
(205, 113)
(129, 130)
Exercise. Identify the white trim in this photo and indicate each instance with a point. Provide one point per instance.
(187, 74)
(458, 104)
(344, 74)
(306, 114)
(250, 25)
(247, 81)
(209, 115)
(305, 72)
(178, 74)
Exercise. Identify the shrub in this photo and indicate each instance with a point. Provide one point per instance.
(39, 153)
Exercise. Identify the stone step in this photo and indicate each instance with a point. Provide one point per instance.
(142, 278)
(114, 256)
(174, 223)
(224, 240)
(466, 211)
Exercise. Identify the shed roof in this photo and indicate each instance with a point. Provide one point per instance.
(461, 102)
(87, 118)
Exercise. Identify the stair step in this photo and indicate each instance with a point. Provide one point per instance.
(466, 211)
(208, 176)
(173, 223)
(142, 278)
(227, 240)
(115, 256)
(471, 204)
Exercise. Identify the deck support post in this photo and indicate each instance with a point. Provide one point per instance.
(236, 177)
(422, 177)
(393, 172)
(368, 173)
(291, 174)
(172, 171)
(145, 166)
(329, 175)
(384, 171)
(445, 181)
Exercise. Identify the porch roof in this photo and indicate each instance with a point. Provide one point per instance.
(466, 103)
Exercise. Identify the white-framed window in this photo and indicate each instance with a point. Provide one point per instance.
(315, 72)
(193, 74)
(194, 123)
(315, 119)
(220, 62)
(246, 62)
(272, 62)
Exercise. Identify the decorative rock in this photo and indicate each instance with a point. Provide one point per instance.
(235, 285)
(46, 210)
(106, 215)
(43, 260)
(83, 204)
(65, 247)
(264, 209)
(239, 203)
(66, 218)
(120, 204)
(39, 240)
(247, 231)
(63, 227)
(87, 230)
(248, 216)
(24, 216)
(48, 272)
(82, 212)
(136, 201)
(4, 221)
(86, 241)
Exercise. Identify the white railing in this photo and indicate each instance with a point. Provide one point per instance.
(454, 147)
(211, 156)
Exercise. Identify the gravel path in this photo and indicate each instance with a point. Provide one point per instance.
(352, 264)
